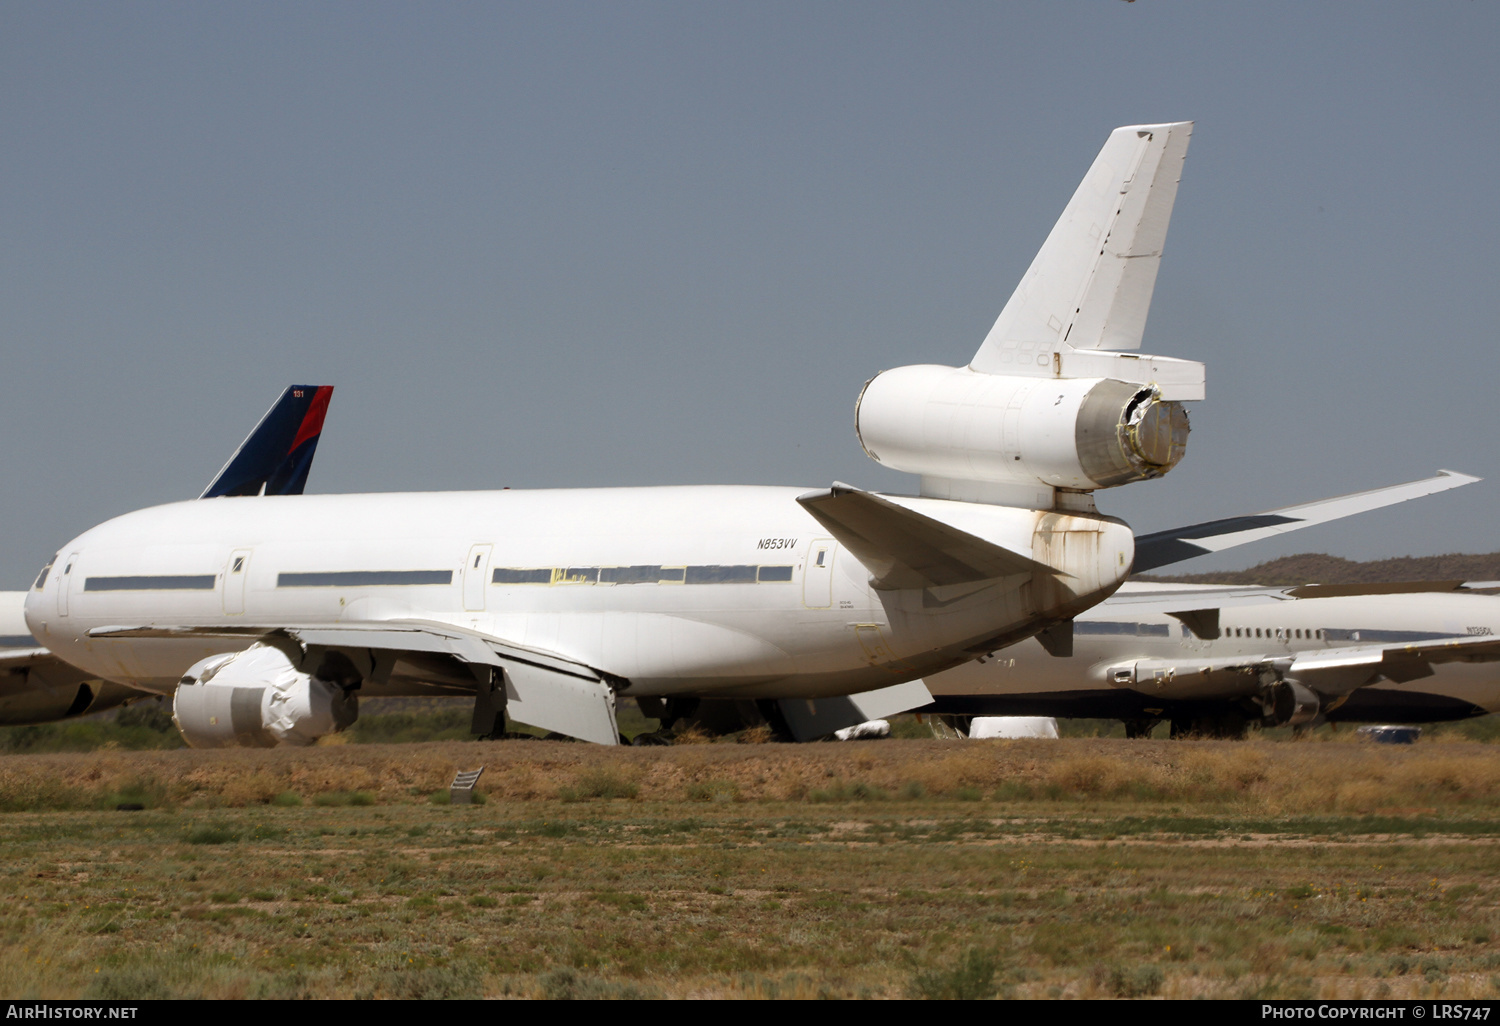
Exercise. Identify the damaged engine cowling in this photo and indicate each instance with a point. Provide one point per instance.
(1288, 703)
(258, 699)
(1079, 433)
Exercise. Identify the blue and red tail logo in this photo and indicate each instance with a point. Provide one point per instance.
(276, 457)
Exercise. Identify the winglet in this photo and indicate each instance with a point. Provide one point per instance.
(275, 458)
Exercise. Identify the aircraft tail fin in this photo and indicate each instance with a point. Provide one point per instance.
(275, 458)
(1090, 285)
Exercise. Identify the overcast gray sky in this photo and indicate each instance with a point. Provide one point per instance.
(579, 244)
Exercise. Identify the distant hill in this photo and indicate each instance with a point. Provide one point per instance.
(1316, 568)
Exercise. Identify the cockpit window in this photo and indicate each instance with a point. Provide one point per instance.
(41, 578)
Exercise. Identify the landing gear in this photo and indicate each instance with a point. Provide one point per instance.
(1141, 728)
(1228, 724)
(489, 707)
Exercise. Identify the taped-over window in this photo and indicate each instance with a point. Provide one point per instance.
(629, 574)
(512, 575)
(1139, 630)
(161, 582)
(721, 574)
(364, 578)
(644, 574)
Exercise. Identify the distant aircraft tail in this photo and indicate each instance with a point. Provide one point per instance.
(275, 458)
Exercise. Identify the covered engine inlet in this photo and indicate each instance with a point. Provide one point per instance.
(258, 699)
(1078, 433)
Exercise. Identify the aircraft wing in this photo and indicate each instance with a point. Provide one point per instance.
(905, 549)
(1166, 547)
(21, 658)
(1331, 671)
(541, 689)
(38, 687)
(1404, 660)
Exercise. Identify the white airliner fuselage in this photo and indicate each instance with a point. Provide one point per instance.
(729, 591)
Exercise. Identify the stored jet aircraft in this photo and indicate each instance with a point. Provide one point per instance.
(1214, 659)
(964, 691)
(38, 687)
(265, 614)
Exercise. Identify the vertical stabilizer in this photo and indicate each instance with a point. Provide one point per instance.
(275, 458)
(1090, 285)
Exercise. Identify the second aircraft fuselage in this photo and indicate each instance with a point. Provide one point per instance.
(1266, 624)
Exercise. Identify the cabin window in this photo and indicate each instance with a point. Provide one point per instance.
(507, 575)
(629, 574)
(364, 578)
(164, 582)
(721, 574)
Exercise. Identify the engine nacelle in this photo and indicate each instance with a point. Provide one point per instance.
(1288, 703)
(1079, 433)
(258, 699)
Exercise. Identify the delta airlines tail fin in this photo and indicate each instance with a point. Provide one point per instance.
(1090, 285)
(275, 458)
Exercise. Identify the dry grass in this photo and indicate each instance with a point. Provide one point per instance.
(1033, 869)
(1261, 777)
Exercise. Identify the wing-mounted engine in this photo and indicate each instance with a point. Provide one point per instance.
(258, 698)
(1051, 400)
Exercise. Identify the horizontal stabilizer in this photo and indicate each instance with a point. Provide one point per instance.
(1166, 547)
(277, 455)
(904, 549)
(1091, 283)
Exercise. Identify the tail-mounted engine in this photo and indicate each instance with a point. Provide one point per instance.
(1077, 433)
(259, 699)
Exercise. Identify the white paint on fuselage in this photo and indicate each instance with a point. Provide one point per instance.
(764, 639)
(1323, 623)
